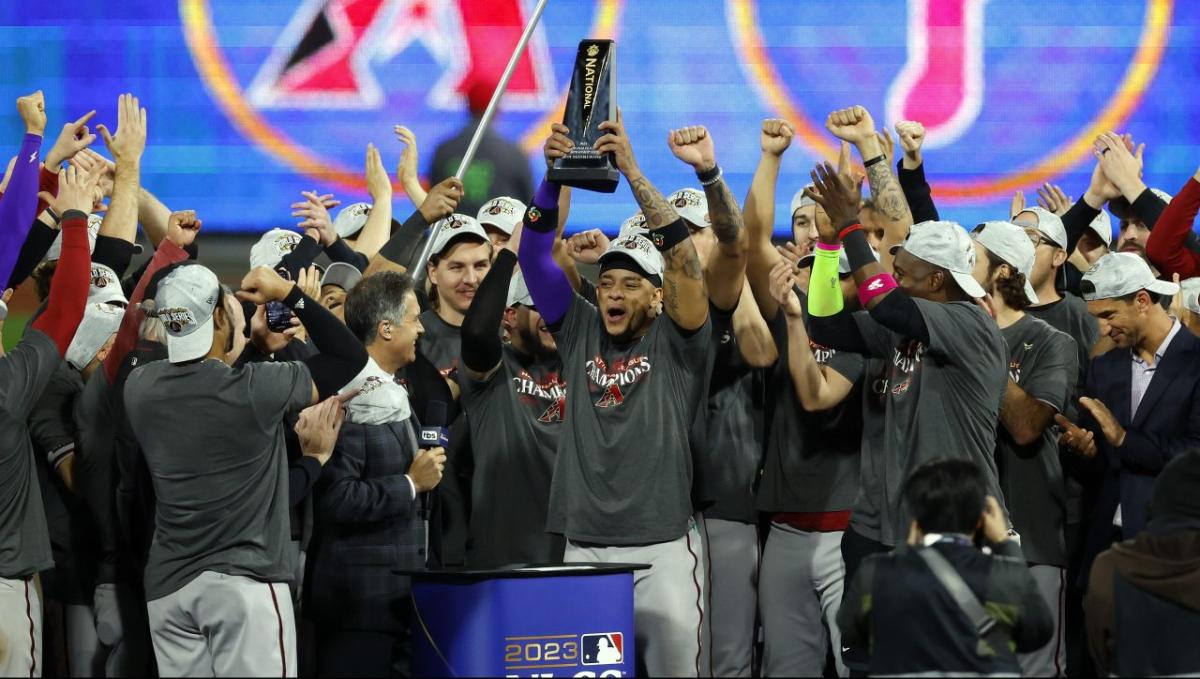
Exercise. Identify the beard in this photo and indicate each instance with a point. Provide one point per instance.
(534, 344)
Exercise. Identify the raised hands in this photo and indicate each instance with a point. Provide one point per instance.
(88, 161)
(183, 227)
(1102, 188)
(76, 189)
(617, 143)
(776, 136)
(587, 246)
(130, 140)
(839, 195)
(853, 124)
(378, 183)
(1120, 163)
(32, 108)
(309, 281)
(912, 137)
(693, 145)
(783, 281)
(558, 144)
(442, 200)
(406, 169)
(1052, 198)
(75, 137)
(262, 285)
(314, 211)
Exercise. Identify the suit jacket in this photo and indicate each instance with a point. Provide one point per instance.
(367, 525)
(1167, 423)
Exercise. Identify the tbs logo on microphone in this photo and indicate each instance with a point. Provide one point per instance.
(433, 437)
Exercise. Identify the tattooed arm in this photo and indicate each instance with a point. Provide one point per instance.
(726, 265)
(856, 126)
(685, 296)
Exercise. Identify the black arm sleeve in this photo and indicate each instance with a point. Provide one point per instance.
(342, 355)
(301, 258)
(115, 253)
(302, 476)
(481, 326)
(37, 244)
(341, 252)
(404, 246)
(899, 313)
(1076, 220)
(917, 193)
(1149, 207)
(838, 331)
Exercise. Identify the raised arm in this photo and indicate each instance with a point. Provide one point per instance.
(759, 215)
(126, 148)
(548, 285)
(375, 232)
(685, 296)
(817, 387)
(481, 347)
(406, 170)
(753, 334)
(1166, 245)
(69, 287)
(19, 204)
(910, 171)
(404, 247)
(856, 126)
(726, 266)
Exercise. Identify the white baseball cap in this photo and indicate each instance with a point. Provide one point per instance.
(1049, 224)
(800, 200)
(351, 219)
(504, 213)
(634, 226)
(518, 292)
(272, 246)
(93, 229)
(692, 205)
(341, 274)
(99, 323)
(1122, 273)
(639, 249)
(1101, 225)
(184, 302)
(1010, 243)
(946, 245)
(456, 226)
(1191, 294)
(105, 287)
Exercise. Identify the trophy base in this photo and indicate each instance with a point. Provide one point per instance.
(600, 177)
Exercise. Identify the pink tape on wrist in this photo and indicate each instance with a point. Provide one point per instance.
(875, 286)
(834, 247)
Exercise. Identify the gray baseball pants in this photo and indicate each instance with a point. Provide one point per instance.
(732, 549)
(799, 586)
(668, 599)
(20, 627)
(222, 625)
(1049, 660)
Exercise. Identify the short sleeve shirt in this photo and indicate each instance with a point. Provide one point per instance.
(1041, 361)
(441, 343)
(942, 400)
(1070, 315)
(516, 417)
(213, 441)
(624, 473)
(24, 373)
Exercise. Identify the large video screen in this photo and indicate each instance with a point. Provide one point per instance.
(252, 101)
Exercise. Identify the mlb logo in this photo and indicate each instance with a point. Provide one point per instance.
(603, 649)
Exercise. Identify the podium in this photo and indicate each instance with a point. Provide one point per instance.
(573, 620)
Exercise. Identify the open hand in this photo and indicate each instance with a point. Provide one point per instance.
(783, 281)
(406, 169)
(315, 215)
(75, 137)
(379, 185)
(88, 160)
(1052, 198)
(1112, 430)
(1122, 167)
(76, 190)
(130, 141)
(1080, 441)
(318, 427)
(839, 195)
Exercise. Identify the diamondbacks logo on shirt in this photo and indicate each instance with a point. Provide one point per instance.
(821, 353)
(906, 360)
(611, 384)
(549, 390)
(1014, 370)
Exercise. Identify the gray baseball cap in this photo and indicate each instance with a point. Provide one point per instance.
(1122, 273)
(351, 219)
(634, 226)
(518, 292)
(1049, 224)
(1191, 294)
(504, 213)
(639, 249)
(456, 226)
(946, 245)
(692, 205)
(343, 275)
(1010, 243)
(272, 246)
(184, 303)
(800, 200)
(105, 287)
(99, 323)
(1101, 225)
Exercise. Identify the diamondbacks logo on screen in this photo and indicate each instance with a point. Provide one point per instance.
(971, 71)
(312, 81)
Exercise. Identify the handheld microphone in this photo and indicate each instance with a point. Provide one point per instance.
(434, 432)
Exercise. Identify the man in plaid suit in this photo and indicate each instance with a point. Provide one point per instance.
(371, 496)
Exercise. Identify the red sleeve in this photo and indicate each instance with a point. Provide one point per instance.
(48, 182)
(69, 287)
(1166, 246)
(127, 336)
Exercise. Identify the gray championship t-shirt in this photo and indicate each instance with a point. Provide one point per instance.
(212, 437)
(24, 539)
(624, 471)
(867, 517)
(441, 343)
(942, 401)
(1070, 315)
(1041, 360)
(516, 416)
(812, 461)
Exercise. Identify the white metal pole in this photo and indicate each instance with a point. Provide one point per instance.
(488, 114)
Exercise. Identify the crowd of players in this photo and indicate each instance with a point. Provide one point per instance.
(833, 453)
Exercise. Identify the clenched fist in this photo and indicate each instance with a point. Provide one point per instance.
(442, 200)
(912, 136)
(32, 108)
(852, 124)
(776, 136)
(693, 145)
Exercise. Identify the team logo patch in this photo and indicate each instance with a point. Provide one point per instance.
(655, 236)
(533, 214)
(177, 318)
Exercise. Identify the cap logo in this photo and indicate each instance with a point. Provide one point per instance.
(454, 222)
(286, 242)
(176, 318)
(99, 278)
(681, 202)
